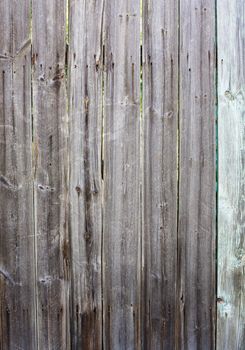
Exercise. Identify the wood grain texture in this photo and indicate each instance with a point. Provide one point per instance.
(50, 173)
(196, 242)
(108, 238)
(160, 113)
(17, 259)
(85, 113)
(231, 192)
(121, 245)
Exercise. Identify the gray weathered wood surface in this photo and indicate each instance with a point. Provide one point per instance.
(196, 241)
(231, 135)
(85, 114)
(17, 260)
(160, 113)
(50, 173)
(108, 170)
(121, 235)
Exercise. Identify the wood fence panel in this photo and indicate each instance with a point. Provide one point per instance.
(85, 113)
(17, 258)
(50, 173)
(197, 175)
(108, 174)
(231, 190)
(160, 113)
(121, 244)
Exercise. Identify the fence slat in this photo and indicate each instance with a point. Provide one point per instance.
(17, 260)
(197, 175)
(121, 250)
(85, 96)
(50, 173)
(231, 133)
(160, 89)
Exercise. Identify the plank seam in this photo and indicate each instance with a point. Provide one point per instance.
(178, 193)
(102, 48)
(141, 167)
(67, 170)
(34, 167)
(216, 172)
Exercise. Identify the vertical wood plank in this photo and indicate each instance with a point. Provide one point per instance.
(85, 111)
(17, 259)
(50, 173)
(231, 192)
(160, 89)
(197, 175)
(121, 250)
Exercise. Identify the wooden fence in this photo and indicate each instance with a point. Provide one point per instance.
(120, 227)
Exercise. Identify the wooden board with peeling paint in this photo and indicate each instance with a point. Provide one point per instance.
(108, 171)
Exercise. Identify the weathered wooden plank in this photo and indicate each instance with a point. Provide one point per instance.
(121, 244)
(85, 112)
(231, 192)
(160, 89)
(17, 259)
(50, 173)
(197, 175)
(14, 27)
